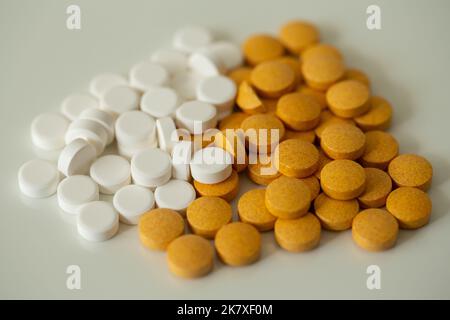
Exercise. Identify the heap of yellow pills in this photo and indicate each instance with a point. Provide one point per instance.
(252, 210)
(272, 79)
(262, 47)
(296, 158)
(343, 141)
(381, 148)
(409, 170)
(378, 187)
(335, 214)
(348, 98)
(299, 111)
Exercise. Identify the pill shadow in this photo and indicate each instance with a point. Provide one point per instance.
(329, 236)
(405, 236)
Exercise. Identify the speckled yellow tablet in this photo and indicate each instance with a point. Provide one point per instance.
(299, 234)
(263, 172)
(261, 47)
(316, 94)
(381, 148)
(299, 111)
(233, 141)
(358, 75)
(323, 160)
(378, 117)
(206, 215)
(272, 79)
(375, 230)
(296, 158)
(343, 141)
(288, 198)
(227, 189)
(190, 256)
(348, 98)
(158, 227)
(295, 65)
(267, 123)
(240, 74)
(378, 187)
(238, 244)
(314, 186)
(297, 35)
(322, 72)
(343, 179)
(410, 170)
(335, 215)
(322, 50)
(327, 119)
(309, 136)
(411, 207)
(252, 210)
(248, 100)
(233, 121)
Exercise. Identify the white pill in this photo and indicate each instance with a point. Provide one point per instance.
(120, 99)
(97, 221)
(151, 168)
(76, 158)
(129, 151)
(75, 191)
(146, 75)
(175, 195)
(48, 131)
(173, 60)
(135, 129)
(224, 113)
(228, 53)
(105, 81)
(75, 104)
(167, 133)
(160, 102)
(211, 165)
(181, 159)
(219, 91)
(102, 117)
(185, 84)
(190, 38)
(111, 172)
(89, 130)
(196, 116)
(132, 202)
(205, 63)
(38, 178)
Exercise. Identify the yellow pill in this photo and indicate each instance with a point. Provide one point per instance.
(252, 210)
(263, 132)
(158, 227)
(378, 187)
(327, 119)
(296, 158)
(321, 50)
(410, 170)
(233, 121)
(261, 47)
(270, 105)
(358, 75)
(238, 244)
(297, 35)
(227, 189)
(206, 215)
(343, 141)
(322, 72)
(248, 100)
(263, 171)
(190, 256)
(288, 198)
(299, 111)
(233, 141)
(316, 94)
(240, 74)
(335, 215)
(294, 64)
(272, 79)
(299, 234)
(375, 230)
(378, 117)
(314, 186)
(323, 160)
(343, 179)
(309, 136)
(381, 148)
(348, 98)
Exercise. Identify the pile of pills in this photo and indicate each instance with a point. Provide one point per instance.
(171, 141)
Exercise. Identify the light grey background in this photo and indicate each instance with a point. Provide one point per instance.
(41, 62)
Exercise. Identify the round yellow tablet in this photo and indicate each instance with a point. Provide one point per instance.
(308, 136)
(288, 198)
(299, 111)
(294, 64)
(343, 179)
(322, 72)
(323, 160)
(335, 215)
(252, 210)
(233, 141)
(314, 186)
(298, 35)
(348, 98)
(248, 100)
(299, 234)
(410, 170)
(378, 187)
(206, 215)
(358, 75)
(261, 47)
(327, 119)
(263, 171)
(272, 79)
(375, 230)
(190, 256)
(240, 74)
(227, 189)
(411, 207)
(378, 117)
(343, 141)
(233, 121)
(263, 132)
(381, 148)
(321, 50)
(238, 244)
(316, 94)
(296, 158)
(158, 227)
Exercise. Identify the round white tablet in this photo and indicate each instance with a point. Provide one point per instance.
(185, 84)
(146, 75)
(75, 191)
(89, 130)
(160, 102)
(38, 178)
(175, 195)
(129, 151)
(219, 91)
(167, 133)
(196, 116)
(97, 221)
(181, 159)
(229, 54)
(75, 104)
(102, 117)
(105, 81)
(173, 60)
(205, 63)
(111, 172)
(190, 38)
(151, 168)
(223, 114)
(211, 165)
(135, 129)
(76, 158)
(120, 99)
(132, 202)
(48, 131)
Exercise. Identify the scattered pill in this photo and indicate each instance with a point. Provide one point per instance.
(172, 60)
(160, 102)
(196, 116)
(272, 79)
(336, 215)
(358, 75)
(298, 35)
(381, 148)
(297, 235)
(151, 168)
(262, 171)
(327, 119)
(295, 65)
(240, 74)
(252, 210)
(321, 50)
(348, 98)
(322, 72)
(378, 187)
(185, 84)
(111, 172)
(248, 100)
(260, 48)
(97, 221)
(176, 195)
(298, 111)
(132, 201)
(166, 131)
(227, 189)
(228, 53)
(48, 131)
(316, 94)
(105, 81)
(205, 62)
(120, 99)
(211, 165)
(190, 38)
(75, 191)
(135, 129)
(296, 158)
(89, 130)
(219, 91)
(234, 143)
(378, 117)
(75, 104)
(343, 141)
(263, 132)
(38, 178)
(181, 160)
(314, 186)
(76, 158)
(409, 170)
(102, 117)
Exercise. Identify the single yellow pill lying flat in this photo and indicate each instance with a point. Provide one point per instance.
(358, 75)
(295, 65)
(158, 227)
(252, 210)
(308, 136)
(263, 171)
(299, 234)
(296, 158)
(343, 141)
(261, 47)
(316, 94)
(327, 119)
(322, 72)
(411, 207)
(238, 244)
(248, 100)
(263, 132)
(321, 50)
(272, 79)
(233, 141)
(298, 35)
(378, 117)
(336, 215)
(348, 98)
(410, 170)
(233, 121)
(190, 256)
(375, 230)
(378, 187)
(227, 189)
(323, 160)
(314, 186)
(240, 74)
(298, 111)
(381, 148)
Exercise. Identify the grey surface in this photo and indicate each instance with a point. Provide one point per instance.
(41, 62)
